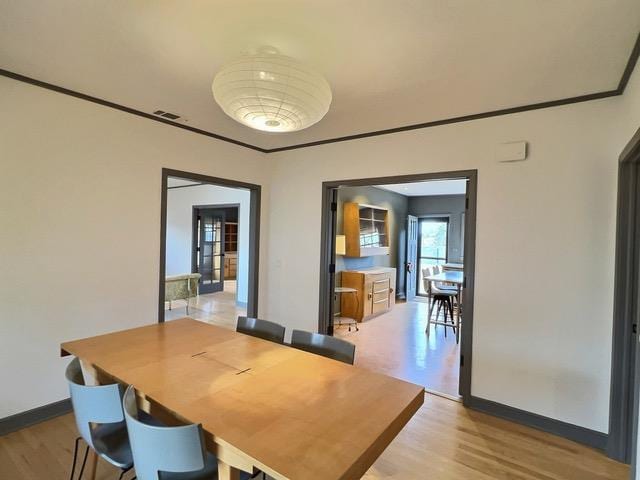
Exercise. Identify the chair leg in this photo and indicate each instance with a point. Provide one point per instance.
(427, 330)
(75, 457)
(444, 304)
(125, 470)
(450, 302)
(438, 313)
(84, 462)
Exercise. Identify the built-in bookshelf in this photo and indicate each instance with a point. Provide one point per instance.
(230, 250)
(366, 230)
(230, 237)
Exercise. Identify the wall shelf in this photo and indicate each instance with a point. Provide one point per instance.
(366, 230)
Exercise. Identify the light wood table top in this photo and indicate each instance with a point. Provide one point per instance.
(448, 276)
(290, 413)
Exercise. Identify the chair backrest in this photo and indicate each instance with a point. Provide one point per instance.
(324, 345)
(92, 404)
(437, 269)
(264, 329)
(426, 272)
(161, 449)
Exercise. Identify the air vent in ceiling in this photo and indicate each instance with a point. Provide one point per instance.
(170, 116)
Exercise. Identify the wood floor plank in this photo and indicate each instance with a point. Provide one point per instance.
(443, 441)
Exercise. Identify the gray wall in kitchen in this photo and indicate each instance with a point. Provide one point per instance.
(397, 205)
(451, 205)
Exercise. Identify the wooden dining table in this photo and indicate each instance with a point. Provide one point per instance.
(262, 405)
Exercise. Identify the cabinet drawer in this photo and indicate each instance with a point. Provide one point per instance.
(379, 286)
(379, 297)
(380, 305)
(376, 277)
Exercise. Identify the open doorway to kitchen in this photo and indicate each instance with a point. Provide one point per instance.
(209, 248)
(397, 273)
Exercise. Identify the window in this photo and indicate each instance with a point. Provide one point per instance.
(432, 245)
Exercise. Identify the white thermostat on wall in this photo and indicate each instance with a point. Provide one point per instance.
(511, 152)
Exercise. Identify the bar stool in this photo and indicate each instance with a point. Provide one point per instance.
(339, 317)
(444, 299)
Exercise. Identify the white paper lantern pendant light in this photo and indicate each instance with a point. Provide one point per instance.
(272, 92)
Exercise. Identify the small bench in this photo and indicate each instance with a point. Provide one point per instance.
(181, 287)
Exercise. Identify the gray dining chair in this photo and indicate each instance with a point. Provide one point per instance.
(100, 421)
(274, 332)
(167, 453)
(324, 345)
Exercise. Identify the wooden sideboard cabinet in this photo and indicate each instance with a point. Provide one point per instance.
(376, 292)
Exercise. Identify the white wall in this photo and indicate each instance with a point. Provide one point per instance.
(545, 246)
(80, 194)
(80, 226)
(179, 228)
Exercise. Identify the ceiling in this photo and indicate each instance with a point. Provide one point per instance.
(427, 188)
(389, 63)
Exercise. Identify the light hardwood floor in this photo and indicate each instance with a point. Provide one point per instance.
(218, 308)
(442, 441)
(395, 343)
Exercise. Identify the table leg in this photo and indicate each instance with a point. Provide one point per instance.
(227, 472)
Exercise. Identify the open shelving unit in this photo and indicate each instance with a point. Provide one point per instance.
(230, 237)
(366, 230)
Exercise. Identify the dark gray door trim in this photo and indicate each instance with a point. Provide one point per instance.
(255, 192)
(327, 256)
(621, 441)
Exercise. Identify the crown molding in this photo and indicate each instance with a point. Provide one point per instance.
(619, 90)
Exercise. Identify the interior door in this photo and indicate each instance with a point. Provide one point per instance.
(412, 257)
(209, 254)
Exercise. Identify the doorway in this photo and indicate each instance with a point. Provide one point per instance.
(419, 238)
(216, 260)
(209, 250)
(625, 362)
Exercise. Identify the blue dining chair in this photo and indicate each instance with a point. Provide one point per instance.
(167, 453)
(100, 421)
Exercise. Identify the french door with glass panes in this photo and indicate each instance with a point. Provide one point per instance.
(208, 255)
(433, 234)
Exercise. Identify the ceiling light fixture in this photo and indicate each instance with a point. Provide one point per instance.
(271, 92)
